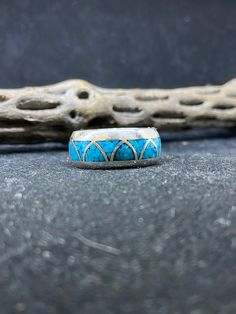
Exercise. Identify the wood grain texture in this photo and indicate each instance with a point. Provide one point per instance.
(51, 113)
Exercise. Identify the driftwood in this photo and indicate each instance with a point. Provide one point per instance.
(51, 113)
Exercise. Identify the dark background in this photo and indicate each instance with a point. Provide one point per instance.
(123, 43)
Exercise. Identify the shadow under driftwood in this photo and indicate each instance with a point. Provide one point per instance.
(188, 135)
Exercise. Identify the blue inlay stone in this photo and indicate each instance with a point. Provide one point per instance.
(150, 151)
(93, 154)
(158, 143)
(108, 147)
(124, 152)
(138, 145)
(115, 147)
(81, 146)
(73, 153)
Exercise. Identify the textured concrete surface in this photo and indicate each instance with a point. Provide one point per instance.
(159, 239)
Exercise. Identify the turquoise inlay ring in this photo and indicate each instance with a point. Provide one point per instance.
(117, 147)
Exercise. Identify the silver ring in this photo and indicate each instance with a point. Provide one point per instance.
(116, 147)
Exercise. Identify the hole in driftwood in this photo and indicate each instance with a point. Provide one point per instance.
(191, 102)
(3, 98)
(15, 123)
(31, 104)
(151, 98)
(103, 121)
(83, 95)
(223, 106)
(126, 109)
(73, 114)
(205, 118)
(169, 115)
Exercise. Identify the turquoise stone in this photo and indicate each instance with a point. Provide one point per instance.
(108, 147)
(81, 146)
(138, 145)
(124, 152)
(93, 154)
(115, 145)
(157, 141)
(72, 152)
(150, 151)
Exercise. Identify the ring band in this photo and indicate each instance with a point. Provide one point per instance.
(115, 147)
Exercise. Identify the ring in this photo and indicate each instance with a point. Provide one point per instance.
(116, 147)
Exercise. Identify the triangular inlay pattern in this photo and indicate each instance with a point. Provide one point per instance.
(124, 152)
(73, 153)
(102, 151)
(150, 151)
(108, 147)
(81, 146)
(93, 154)
(138, 145)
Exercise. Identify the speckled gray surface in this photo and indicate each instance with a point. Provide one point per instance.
(153, 240)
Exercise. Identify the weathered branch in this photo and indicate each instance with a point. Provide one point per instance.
(51, 113)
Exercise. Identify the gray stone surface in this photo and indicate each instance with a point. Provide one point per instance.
(159, 239)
